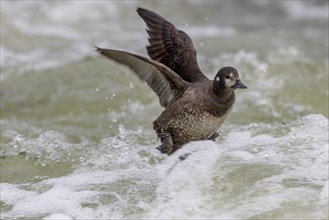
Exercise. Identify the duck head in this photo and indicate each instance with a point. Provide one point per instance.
(227, 78)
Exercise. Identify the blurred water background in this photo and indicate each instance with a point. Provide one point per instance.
(76, 133)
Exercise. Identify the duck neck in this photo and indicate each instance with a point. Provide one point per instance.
(224, 95)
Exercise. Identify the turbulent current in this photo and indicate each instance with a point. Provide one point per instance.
(76, 129)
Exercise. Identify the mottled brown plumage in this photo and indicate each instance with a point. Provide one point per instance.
(195, 107)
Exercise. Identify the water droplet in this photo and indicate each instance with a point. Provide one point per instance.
(106, 98)
(115, 118)
(131, 85)
(201, 44)
(207, 18)
(97, 89)
(122, 129)
(113, 96)
(186, 24)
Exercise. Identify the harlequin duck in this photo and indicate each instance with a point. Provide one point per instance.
(195, 107)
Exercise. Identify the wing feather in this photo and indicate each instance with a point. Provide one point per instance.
(167, 84)
(171, 47)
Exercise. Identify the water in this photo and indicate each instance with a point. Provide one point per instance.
(76, 133)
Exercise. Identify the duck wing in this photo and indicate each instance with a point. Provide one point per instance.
(167, 84)
(172, 47)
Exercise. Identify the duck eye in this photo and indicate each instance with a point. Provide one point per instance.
(227, 77)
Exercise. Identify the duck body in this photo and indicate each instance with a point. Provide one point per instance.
(197, 115)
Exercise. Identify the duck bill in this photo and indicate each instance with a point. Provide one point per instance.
(239, 85)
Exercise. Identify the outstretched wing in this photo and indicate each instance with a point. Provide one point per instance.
(172, 47)
(163, 81)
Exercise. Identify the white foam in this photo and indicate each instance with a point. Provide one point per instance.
(185, 186)
(250, 173)
(305, 10)
(57, 216)
(209, 31)
(285, 55)
(324, 192)
(62, 24)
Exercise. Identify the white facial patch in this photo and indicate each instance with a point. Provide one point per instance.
(230, 82)
(217, 79)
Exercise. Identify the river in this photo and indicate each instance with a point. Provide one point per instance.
(76, 129)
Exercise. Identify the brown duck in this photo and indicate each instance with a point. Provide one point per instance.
(195, 107)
